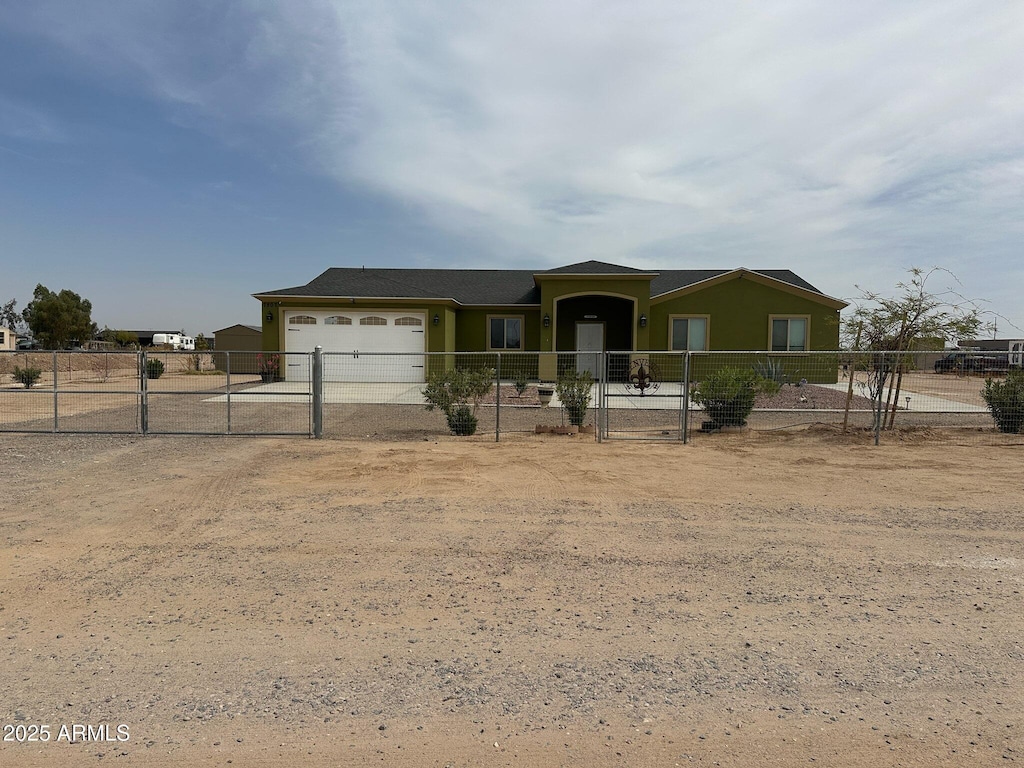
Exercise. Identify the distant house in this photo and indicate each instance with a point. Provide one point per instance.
(591, 306)
(8, 339)
(240, 338)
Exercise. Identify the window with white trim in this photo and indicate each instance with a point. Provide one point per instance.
(505, 333)
(301, 320)
(789, 334)
(690, 334)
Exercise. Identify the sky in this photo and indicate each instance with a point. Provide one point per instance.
(168, 160)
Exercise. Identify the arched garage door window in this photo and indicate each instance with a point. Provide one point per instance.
(373, 320)
(302, 320)
(337, 320)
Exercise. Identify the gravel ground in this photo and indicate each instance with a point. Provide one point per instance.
(765, 599)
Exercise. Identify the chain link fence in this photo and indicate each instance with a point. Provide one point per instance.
(680, 396)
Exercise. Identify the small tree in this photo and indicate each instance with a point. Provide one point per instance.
(893, 324)
(27, 375)
(457, 394)
(573, 390)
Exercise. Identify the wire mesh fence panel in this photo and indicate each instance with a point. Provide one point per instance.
(881, 392)
(459, 394)
(766, 391)
(270, 392)
(27, 386)
(98, 411)
(26, 410)
(187, 393)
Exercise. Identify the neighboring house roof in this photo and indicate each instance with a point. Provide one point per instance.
(501, 286)
(253, 328)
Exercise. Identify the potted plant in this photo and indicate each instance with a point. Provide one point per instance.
(457, 394)
(269, 366)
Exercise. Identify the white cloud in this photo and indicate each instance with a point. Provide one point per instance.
(844, 140)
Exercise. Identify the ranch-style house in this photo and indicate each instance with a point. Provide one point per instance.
(590, 306)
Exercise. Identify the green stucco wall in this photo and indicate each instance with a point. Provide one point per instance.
(739, 311)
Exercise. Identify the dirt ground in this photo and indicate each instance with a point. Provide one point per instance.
(749, 600)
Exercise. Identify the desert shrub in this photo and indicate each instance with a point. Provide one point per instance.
(27, 375)
(461, 421)
(728, 394)
(1005, 401)
(520, 384)
(457, 394)
(154, 368)
(573, 388)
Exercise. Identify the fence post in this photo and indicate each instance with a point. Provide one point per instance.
(227, 371)
(686, 399)
(879, 386)
(497, 400)
(55, 416)
(318, 392)
(143, 392)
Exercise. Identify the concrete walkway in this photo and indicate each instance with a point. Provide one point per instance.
(918, 402)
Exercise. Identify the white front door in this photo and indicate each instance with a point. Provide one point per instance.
(589, 338)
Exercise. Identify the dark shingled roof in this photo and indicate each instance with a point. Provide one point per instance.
(595, 268)
(466, 286)
(491, 286)
(673, 279)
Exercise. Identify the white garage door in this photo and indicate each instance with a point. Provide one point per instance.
(355, 334)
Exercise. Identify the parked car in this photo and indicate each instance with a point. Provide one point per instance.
(972, 362)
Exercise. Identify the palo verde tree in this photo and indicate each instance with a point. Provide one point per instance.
(894, 325)
(56, 319)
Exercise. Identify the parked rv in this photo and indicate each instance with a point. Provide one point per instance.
(174, 341)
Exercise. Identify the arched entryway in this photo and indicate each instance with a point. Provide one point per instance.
(594, 323)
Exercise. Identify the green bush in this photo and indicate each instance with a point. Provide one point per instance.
(1005, 400)
(461, 421)
(573, 390)
(453, 390)
(27, 375)
(520, 384)
(154, 369)
(728, 394)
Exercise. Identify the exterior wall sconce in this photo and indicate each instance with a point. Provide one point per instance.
(643, 321)
(547, 321)
(437, 318)
(270, 316)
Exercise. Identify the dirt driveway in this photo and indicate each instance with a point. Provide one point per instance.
(781, 600)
